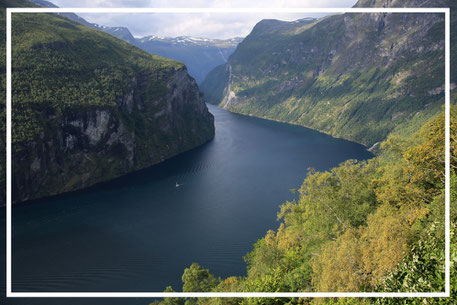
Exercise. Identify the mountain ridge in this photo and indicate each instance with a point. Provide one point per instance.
(355, 76)
(200, 55)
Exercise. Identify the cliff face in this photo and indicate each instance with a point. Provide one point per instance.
(88, 107)
(356, 76)
(84, 147)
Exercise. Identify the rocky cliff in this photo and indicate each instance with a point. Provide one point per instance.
(88, 107)
(356, 76)
(82, 147)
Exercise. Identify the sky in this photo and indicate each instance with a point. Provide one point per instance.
(215, 25)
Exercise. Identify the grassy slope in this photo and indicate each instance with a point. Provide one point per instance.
(337, 75)
(90, 69)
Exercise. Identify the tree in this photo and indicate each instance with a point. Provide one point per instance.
(198, 279)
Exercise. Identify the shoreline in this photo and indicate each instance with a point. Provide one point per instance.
(296, 124)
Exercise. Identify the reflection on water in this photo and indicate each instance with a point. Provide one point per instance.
(139, 232)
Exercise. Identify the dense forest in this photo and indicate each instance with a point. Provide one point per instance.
(376, 225)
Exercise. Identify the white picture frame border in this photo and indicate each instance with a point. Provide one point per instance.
(10, 293)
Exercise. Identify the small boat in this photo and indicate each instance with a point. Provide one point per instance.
(177, 184)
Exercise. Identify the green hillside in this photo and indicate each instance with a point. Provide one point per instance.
(88, 107)
(355, 76)
(62, 66)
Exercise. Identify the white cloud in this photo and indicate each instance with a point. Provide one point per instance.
(218, 25)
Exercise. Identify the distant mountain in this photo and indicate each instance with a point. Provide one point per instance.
(200, 55)
(356, 76)
(119, 32)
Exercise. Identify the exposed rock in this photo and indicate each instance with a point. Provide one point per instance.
(97, 127)
(85, 147)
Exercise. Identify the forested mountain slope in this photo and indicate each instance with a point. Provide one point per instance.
(356, 76)
(88, 107)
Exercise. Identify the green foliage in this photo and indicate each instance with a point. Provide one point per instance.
(330, 203)
(423, 269)
(197, 279)
(60, 66)
(363, 226)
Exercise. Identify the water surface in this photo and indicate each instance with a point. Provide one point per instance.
(139, 232)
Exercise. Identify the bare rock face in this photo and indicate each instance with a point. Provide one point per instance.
(83, 147)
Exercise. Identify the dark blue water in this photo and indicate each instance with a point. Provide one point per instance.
(139, 232)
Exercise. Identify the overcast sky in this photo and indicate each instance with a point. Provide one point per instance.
(216, 25)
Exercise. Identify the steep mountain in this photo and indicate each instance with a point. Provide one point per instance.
(88, 107)
(356, 76)
(200, 55)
